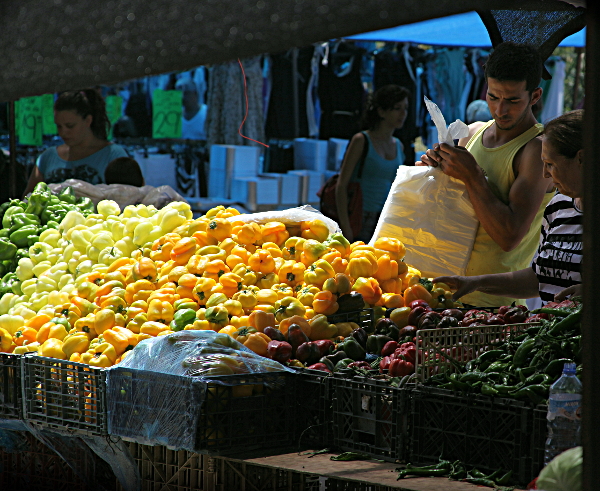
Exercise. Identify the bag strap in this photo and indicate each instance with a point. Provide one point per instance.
(363, 157)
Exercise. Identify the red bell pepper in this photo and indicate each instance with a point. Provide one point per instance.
(406, 351)
(389, 348)
(400, 368)
(320, 366)
(280, 351)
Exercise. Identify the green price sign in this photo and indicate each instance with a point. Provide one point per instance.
(30, 121)
(48, 126)
(114, 104)
(166, 113)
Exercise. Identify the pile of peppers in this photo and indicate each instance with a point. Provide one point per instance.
(457, 471)
(524, 366)
(24, 221)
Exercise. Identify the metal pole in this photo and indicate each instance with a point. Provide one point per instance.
(295, 92)
(12, 145)
(579, 52)
(591, 245)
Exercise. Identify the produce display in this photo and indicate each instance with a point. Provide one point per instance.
(96, 285)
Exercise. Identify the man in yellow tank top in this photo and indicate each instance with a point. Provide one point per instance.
(500, 164)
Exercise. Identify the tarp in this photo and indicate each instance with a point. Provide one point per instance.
(465, 30)
(54, 45)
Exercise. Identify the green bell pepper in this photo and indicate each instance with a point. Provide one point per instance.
(85, 204)
(38, 199)
(353, 349)
(7, 249)
(182, 318)
(12, 210)
(376, 342)
(68, 195)
(20, 237)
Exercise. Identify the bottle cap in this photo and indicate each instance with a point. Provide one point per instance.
(569, 369)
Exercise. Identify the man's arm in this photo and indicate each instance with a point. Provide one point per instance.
(507, 223)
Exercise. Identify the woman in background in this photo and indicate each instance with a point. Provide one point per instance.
(83, 125)
(385, 113)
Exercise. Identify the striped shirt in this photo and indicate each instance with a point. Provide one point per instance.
(557, 262)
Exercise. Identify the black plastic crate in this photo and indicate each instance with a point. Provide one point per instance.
(482, 432)
(364, 318)
(370, 416)
(64, 395)
(539, 432)
(314, 406)
(253, 412)
(10, 386)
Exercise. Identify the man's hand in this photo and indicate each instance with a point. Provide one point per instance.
(430, 158)
(455, 162)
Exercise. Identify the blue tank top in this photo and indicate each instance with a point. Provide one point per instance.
(377, 176)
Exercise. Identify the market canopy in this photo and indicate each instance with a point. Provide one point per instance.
(57, 45)
(467, 30)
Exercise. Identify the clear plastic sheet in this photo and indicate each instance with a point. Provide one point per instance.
(291, 216)
(199, 354)
(13, 441)
(156, 395)
(116, 455)
(123, 194)
(432, 215)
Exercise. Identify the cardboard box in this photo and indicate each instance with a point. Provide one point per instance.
(288, 186)
(336, 148)
(310, 183)
(228, 162)
(255, 191)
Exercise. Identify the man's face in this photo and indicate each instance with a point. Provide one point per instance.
(510, 102)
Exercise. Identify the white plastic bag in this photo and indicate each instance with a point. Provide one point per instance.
(291, 216)
(432, 215)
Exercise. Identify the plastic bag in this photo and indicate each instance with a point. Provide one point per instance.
(123, 194)
(563, 472)
(432, 215)
(291, 216)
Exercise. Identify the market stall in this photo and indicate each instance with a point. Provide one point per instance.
(72, 393)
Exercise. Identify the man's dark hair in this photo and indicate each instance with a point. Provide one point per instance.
(124, 170)
(515, 62)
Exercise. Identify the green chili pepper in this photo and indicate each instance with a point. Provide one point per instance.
(572, 319)
(481, 481)
(523, 352)
(488, 390)
(473, 377)
(491, 355)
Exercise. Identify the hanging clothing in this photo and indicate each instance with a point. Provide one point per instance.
(190, 170)
(341, 93)
(195, 128)
(227, 106)
(280, 116)
(487, 257)
(554, 100)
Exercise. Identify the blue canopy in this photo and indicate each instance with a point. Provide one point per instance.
(465, 30)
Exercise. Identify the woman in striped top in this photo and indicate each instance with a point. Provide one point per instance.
(556, 268)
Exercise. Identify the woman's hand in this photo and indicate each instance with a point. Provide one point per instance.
(461, 285)
(572, 291)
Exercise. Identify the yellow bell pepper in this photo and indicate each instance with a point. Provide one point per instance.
(121, 338)
(248, 276)
(135, 324)
(369, 289)
(199, 325)
(202, 290)
(101, 356)
(6, 340)
(137, 286)
(239, 321)
(314, 229)
(283, 290)
(262, 262)
(219, 228)
(387, 268)
(217, 298)
(362, 264)
(338, 242)
(303, 322)
(247, 298)
(248, 233)
(11, 322)
(153, 328)
(229, 330)
(291, 272)
(183, 250)
(144, 269)
(393, 247)
(293, 249)
(339, 265)
(104, 319)
(274, 232)
(318, 272)
(232, 283)
(311, 251)
(391, 300)
(26, 348)
(287, 307)
(393, 285)
(267, 281)
(307, 294)
(87, 325)
(160, 311)
(78, 342)
(267, 296)
(339, 284)
(320, 328)
(52, 348)
(51, 330)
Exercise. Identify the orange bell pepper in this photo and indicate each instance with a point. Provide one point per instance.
(285, 324)
(339, 265)
(144, 269)
(325, 303)
(257, 342)
(24, 335)
(248, 233)
(274, 232)
(183, 250)
(387, 268)
(416, 292)
(369, 289)
(393, 285)
(259, 319)
(314, 229)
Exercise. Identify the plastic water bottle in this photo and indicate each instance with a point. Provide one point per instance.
(564, 414)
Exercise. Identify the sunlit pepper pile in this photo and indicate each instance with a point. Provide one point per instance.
(98, 285)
